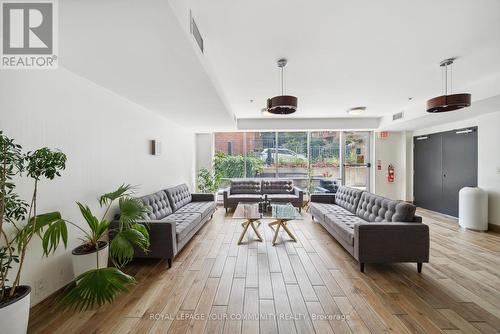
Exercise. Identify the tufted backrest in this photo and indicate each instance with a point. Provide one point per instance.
(374, 208)
(348, 198)
(157, 204)
(277, 186)
(178, 196)
(245, 187)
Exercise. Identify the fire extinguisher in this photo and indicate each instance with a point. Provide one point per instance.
(390, 173)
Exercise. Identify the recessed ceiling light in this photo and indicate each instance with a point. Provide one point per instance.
(356, 110)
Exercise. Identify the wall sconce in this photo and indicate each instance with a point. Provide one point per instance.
(155, 147)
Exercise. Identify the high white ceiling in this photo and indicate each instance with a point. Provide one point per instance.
(139, 50)
(345, 53)
(341, 54)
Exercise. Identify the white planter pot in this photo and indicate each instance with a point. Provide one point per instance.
(14, 316)
(88, 261)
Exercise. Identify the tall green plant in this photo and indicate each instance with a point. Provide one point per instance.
(208, 182)
(99, 286)
(23, 217)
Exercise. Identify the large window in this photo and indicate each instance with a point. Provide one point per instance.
(313, 160)
(229, 159)
(292, 157)
(325, 159)
(260, 154)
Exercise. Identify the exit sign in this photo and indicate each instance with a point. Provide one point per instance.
(383, 134)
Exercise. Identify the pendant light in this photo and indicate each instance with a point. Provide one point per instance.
(281, 104)
(448, 102)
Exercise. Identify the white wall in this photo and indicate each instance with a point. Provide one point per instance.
(488, 155)
(390, 150)
(204, 150)
(106, 139)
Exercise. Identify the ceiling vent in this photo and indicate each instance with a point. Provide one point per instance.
(397, 116)
(195, 32)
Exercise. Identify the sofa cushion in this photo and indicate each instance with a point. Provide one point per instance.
(245, 187)
(330, 208)
(348, 198)
(254, 198)
(316, 211)
(178, 196)
(374, 208)
(184, 223)
(343, 225)
(203, 208)
(282, 197)
(157, 204)
(277, 186)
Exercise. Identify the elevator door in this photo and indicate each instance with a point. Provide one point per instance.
(444, 163)
(428, 183)
(459, 166)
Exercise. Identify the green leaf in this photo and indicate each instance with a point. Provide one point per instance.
(131, 210)
(95, 288)
(123, 190)
(122, 245)
(55, 232)
(35, 226)
(91, 220)
(141, 228)
(101, 227)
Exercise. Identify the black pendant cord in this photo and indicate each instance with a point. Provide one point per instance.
(282, 69)
(451, 78)
(445, 78)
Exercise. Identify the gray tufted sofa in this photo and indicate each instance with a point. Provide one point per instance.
(174, 216)
(372, 228)
(252, 190)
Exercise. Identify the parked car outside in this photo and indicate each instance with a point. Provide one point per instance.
(284, 154)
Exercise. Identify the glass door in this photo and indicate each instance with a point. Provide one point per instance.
(356, 171)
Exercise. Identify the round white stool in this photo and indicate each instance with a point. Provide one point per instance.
(473, 209)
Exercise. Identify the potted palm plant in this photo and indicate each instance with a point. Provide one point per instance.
(95, 282)
(20, 224)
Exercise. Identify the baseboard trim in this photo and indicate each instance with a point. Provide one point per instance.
(494, 228)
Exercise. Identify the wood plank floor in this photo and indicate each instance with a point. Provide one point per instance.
(312, 286)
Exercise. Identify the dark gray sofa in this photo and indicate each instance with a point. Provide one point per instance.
(252, 190)
(174, 217)
(372, 228)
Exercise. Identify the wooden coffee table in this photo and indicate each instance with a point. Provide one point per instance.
(281, 214)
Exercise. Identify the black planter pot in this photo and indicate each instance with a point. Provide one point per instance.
(83, 250)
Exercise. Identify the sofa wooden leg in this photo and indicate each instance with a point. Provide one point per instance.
(362, 267)
(312, 217)
(169, 263)
(226, 210)
(300, 210)
(419, 267)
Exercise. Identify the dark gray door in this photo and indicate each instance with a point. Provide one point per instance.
(427, 180)
(459, 166)
(444, 163)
